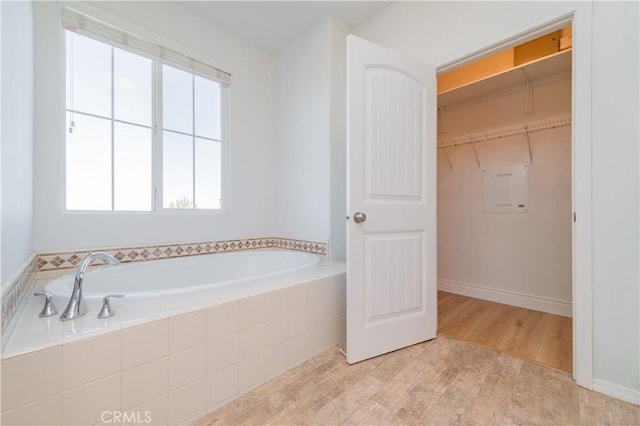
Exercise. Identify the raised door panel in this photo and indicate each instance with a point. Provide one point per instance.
(392, 139)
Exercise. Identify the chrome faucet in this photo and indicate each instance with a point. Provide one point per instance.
(76, 307)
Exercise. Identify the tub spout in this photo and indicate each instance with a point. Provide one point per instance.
(76, 306)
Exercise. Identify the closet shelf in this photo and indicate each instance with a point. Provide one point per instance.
(521, 129)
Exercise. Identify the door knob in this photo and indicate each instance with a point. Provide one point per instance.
(359, 217)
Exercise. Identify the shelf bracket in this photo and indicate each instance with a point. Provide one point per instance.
(446, 152)
(441, 119)
(475, 151)
(528, 92)
(526, 134)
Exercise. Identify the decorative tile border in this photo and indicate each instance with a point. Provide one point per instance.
(68, 260)
(16, 291)
(300, 245)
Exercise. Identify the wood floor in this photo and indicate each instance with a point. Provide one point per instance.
(444, 381)
(532, 335)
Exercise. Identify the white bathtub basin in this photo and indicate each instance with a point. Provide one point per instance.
(169, 281)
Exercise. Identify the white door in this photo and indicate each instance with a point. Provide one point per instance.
(391, 179)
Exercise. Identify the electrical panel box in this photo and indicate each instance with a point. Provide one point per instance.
(505, 190)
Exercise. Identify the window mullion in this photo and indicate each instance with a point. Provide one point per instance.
(113, 157)
(193, 139)
(158, 134)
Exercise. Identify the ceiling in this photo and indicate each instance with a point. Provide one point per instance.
(272, 24)
(557, 65)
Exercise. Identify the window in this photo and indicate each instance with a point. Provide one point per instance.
(142, 135)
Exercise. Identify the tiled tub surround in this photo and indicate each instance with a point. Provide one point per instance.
(13, 292)
(175, 367)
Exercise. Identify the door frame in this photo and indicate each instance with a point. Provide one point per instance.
(581, 170)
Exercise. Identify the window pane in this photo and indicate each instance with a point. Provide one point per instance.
(177, 100)
(207, 108)
(132, 87)
(88, 75)
(177, 171)
(89, 164)
(208, 172)
(132, 168)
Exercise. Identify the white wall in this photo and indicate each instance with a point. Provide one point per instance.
(302, 155)
(252, 134)
(338, 126)
(17, 136)
(439, 32)
(1, 279)
(493, 256)
(616, 108)
(311, 136)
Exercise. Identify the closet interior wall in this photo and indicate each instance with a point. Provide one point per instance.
(523, 259)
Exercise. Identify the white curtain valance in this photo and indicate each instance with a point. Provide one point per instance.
(81, 23)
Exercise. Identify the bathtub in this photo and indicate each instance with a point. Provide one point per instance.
(190, 335)
(177, 281)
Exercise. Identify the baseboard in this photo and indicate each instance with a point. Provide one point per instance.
(522, 300)
(617, 391)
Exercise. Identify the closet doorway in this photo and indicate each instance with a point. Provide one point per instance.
(505, 201)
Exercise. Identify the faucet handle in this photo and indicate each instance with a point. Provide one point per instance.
(106, 311)
(49, 308)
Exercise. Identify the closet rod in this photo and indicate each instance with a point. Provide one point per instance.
(519, 129)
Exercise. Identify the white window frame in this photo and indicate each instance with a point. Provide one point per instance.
(157, 129)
